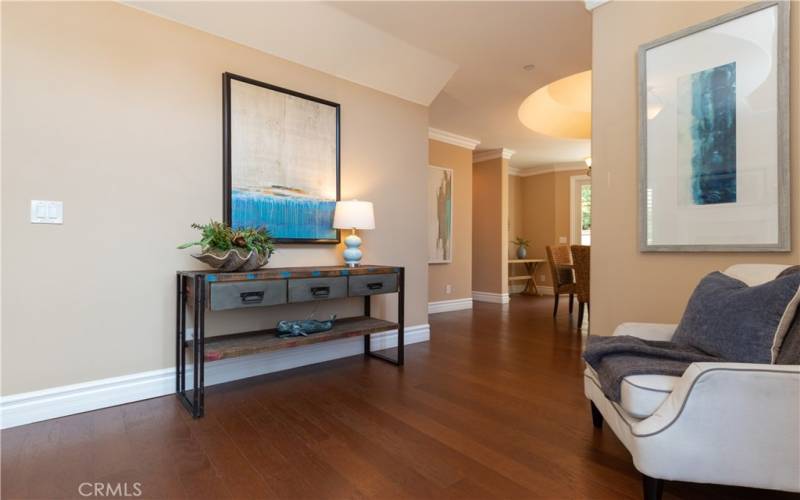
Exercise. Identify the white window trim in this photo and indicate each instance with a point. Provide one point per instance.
(573, 227)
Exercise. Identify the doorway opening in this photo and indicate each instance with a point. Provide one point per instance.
(581, 210)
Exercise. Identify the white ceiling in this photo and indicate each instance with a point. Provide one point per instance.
(465, 57)
(319, 36)
(491, 42)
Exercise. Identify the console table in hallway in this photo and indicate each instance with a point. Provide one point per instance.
(203, 291)
(531, 265)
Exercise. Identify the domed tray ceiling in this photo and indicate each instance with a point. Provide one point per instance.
(561, 109)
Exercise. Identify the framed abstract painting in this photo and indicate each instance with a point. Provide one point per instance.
(280, 161)
(714, 135)
(440, 215)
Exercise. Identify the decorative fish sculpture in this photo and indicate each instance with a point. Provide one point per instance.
(303, 327)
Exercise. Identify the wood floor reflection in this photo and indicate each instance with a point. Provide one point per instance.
(491, 407)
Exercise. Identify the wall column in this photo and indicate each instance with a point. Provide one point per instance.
(490, 225)
(450, 284)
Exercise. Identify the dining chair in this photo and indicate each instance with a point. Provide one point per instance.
(580, 261)
(560, 261)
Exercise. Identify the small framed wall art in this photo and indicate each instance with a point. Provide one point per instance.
(714, 135)
(440, 215)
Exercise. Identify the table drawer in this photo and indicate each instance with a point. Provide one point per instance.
(308, 289)
(371, 284)
(239, 294)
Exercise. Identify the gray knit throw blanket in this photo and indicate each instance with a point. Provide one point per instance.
(617, 357)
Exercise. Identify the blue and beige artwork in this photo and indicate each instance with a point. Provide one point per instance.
(707, 134)
(283, 163)
(285, 215)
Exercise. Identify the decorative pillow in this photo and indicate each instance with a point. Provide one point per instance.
(789, 270)
(789, 351)
(738, 323)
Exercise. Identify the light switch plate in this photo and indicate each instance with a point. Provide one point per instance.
(47, 212)
(562, 239)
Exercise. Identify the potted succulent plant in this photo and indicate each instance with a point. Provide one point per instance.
(227, 249)
(522, 247)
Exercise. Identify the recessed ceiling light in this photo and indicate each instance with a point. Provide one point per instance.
(529, 67)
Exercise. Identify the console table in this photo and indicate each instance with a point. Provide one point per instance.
(530, 279)
(213, 291)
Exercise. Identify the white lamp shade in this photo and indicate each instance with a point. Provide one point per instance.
(354, 214)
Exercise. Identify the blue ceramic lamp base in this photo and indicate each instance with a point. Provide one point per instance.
(352, 254)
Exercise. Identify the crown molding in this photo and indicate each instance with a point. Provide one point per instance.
(546, 169)
(593, 4)
(492, 154)
(451, 138)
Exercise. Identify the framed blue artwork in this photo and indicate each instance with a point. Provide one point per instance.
(280, 161)
(440, 215)
(714, 135)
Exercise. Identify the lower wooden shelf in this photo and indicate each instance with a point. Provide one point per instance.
(242, 344)
(518, 278)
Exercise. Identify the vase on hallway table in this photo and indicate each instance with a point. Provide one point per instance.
(522, 247)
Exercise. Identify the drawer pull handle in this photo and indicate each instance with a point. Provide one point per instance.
(374, 286)
(320, 291)
(251, 297)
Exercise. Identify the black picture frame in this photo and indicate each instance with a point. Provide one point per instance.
(226, 150)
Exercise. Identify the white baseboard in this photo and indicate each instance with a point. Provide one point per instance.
(495, 298)
(25, 408)
(449, 305)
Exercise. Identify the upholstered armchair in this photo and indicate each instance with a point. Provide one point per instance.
(723, 423)
(560, 261)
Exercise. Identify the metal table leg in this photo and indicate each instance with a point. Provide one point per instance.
(196, 404)
(399, 360)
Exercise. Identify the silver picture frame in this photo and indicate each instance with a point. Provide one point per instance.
(783, 243)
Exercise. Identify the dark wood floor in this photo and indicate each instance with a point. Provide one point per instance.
(491, 407)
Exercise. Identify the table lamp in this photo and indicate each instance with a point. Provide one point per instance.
(353, 215)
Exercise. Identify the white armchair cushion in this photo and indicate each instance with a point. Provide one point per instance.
(647, 331)
(755, 274)
(640, 395)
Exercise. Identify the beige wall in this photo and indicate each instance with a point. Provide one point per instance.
(544, 211)
(118, 114)
(515, 220)
(628, 285)
(538, 218)
(458, 273)
(490, 226)
(515, 205)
